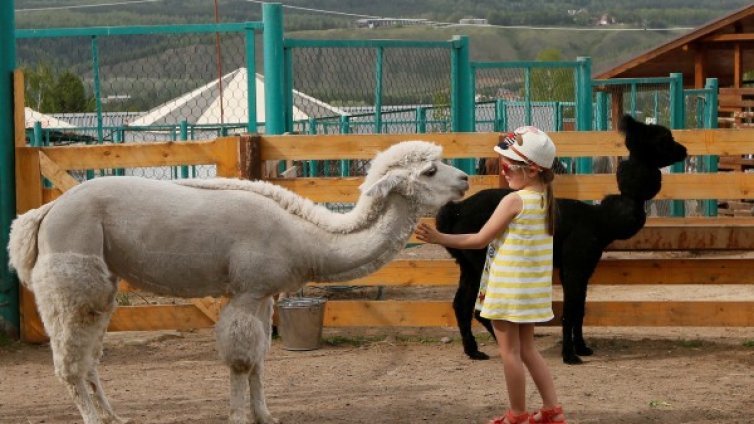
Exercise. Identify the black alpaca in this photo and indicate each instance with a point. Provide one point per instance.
(582, 232)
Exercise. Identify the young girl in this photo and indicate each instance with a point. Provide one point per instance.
(516, 287)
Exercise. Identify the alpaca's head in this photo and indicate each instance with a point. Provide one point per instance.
(651, 144)
(650, 148)
(414, 170)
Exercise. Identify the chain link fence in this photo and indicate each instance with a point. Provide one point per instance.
(200, 82)
(141, 85)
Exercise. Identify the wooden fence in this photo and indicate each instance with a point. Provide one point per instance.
(241, 157)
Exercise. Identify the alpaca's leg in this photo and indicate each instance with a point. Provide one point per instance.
(577, 266)
(243, 338)
(463, 306)
(70, 341)
(487, 324)
(238, 388)
(579, 344)
(75, 298)
(108, 415)
(100, 399)
(570, 304)
(257, 400)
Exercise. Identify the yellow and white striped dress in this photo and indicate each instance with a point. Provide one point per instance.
(516, 284)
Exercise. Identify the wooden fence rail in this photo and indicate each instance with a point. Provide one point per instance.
(240, 156)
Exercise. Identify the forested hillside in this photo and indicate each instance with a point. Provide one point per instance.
(306, 19)
(302, 14)
(517, 30)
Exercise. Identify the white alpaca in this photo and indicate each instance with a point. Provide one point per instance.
(195, 238)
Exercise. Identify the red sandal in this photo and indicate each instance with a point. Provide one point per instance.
(511, 418)
(547, 416)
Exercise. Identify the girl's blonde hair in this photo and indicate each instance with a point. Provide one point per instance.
(547, 176)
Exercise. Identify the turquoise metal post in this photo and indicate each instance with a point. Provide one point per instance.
(37, 140)
(710, 161)
(472, 85)
(97, 90)
(378, 91)
(557, 117)
(501, 115)
(584, 106)
(421, 119)
(677, 121)
(312, 163)
(274, 72)
(527, 95)
(288, 87)
(274, 90)
(251, 80)
(97, 97)
(118, 137)
(345, 128)
(9, 321)
(184, 137)
(634, 96)
(462, 95)
(601, 112)
(656, 109)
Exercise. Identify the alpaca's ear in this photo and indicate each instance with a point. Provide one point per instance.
(385, 185)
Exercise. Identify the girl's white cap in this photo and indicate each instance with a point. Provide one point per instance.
(528, 144)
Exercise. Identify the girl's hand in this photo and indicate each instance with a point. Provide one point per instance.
(427, 234)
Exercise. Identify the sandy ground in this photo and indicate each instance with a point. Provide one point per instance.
(650, 375)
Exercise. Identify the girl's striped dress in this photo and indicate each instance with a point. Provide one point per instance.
(516, 284)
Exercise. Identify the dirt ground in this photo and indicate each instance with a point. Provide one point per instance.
(647, 375)
(370, 376)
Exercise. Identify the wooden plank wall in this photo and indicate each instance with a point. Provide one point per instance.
(231, 154)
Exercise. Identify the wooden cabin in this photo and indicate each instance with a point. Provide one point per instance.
(722, 49)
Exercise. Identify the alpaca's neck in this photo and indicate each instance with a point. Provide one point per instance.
(387, 226)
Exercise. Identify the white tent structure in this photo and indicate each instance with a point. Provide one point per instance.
(31, 116)
(202, 105)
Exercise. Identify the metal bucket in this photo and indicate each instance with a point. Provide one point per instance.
(300, 323)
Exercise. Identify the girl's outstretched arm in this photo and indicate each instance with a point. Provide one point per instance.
(506, 210)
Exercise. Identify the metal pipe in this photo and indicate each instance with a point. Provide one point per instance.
(9, 320)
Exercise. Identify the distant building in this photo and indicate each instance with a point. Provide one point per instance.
(606, 20)
(473, 21)
(384, 22)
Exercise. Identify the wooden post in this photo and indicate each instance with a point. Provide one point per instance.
(250, 157)
(29, 196)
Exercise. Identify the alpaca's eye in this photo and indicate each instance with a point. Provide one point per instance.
(431, 171)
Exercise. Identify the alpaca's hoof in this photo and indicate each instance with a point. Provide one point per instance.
(114, 419)
(267, 419)
(478, 356)
(237, 419)
(572, 359)
(584, 351)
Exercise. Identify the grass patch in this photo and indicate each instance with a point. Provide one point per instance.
(654, 404)
(749, 343)
(359, 341)
(122, 299)
(690, 343)
(6, 342)
(354, 341)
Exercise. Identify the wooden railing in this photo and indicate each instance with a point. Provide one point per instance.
(695, 234)
(241, 157)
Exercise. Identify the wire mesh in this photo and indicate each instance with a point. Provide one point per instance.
(367, 90)
(146, 84)
(507, 98)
